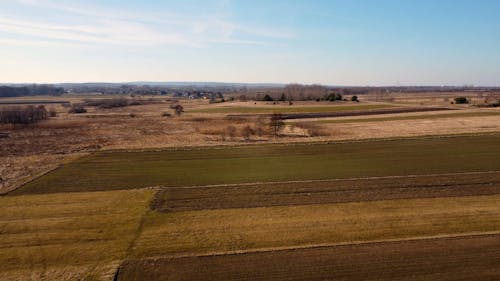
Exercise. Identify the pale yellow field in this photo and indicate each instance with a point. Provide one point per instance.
(70, 236)
(218, 231)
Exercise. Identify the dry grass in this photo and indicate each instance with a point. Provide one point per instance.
(215, 231)
(68, 236)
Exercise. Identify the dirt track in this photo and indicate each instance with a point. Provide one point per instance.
(458, 258)
(327, 192)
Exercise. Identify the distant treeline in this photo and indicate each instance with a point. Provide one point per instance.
(32, 90)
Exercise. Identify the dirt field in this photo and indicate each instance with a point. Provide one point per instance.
(396, 117)
(178, 199)
(447, 259)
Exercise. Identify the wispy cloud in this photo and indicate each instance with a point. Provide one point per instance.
(96, 25)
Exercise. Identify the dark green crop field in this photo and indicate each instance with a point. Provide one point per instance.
(266, 163)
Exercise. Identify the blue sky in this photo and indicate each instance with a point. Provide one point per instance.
(356, 42)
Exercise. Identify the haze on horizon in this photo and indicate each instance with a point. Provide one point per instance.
(385, 42)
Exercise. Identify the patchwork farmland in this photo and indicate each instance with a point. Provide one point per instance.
(249, 140)
(407, 209)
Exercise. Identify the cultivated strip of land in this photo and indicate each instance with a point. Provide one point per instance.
(271, 163)
(454, 258)
(176, 199)
(414, 117)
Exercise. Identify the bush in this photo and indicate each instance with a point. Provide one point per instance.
(247, 132)
(77, 109)
(333, 97)
(52, 112)
(461, 100)
(312, 129)
(231, 131)
(355, 98)
(267, 98)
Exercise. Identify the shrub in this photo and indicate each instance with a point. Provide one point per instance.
(52, 112)
(312, 129)
(231, 131)
(247, 132)
(77, 109)
(355, 98)
(333, 97)
(267, 98)
(461, 100)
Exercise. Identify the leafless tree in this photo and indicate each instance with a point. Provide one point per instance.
(276, 123)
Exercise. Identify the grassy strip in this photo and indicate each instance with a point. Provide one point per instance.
(210, 231)
(289, 109)
(264, 163)
(416, 117)
(67, 236)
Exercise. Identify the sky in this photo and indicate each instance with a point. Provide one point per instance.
(333, 42)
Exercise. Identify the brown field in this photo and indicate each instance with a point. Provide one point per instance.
(446, 259)
(178, 199)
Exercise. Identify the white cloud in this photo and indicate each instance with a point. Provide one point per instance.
(96, 25)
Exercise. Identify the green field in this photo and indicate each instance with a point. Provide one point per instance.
(415, 117)
(289, 109)
(264, 163)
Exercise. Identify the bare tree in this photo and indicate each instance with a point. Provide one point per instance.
(178, 109)
(247, 132)
(276, 123)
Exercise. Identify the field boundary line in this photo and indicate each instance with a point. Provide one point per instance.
(330, 180)
(329, 245)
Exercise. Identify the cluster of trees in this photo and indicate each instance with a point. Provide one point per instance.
(23, 114)
(114, 102)
(295, 92)
(32, 90)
